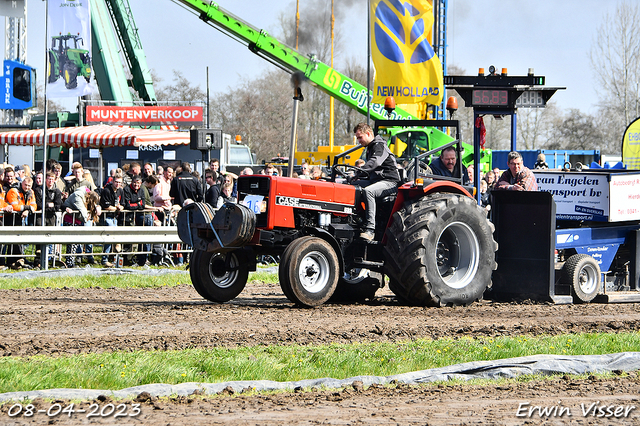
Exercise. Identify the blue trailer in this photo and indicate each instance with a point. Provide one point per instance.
(576, 240)
(555, 158)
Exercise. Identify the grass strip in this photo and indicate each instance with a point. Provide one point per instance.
(118, 281)
(287, 363)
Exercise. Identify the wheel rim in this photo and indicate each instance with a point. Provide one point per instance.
(457, 255)
(220, 276)
(588, 279)
(313, 273)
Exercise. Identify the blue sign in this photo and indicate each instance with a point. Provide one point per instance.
(19, 81)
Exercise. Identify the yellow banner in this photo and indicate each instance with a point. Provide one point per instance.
(406, 65)
(631, 146)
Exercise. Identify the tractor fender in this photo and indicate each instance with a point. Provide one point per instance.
(325, 235)
(409, 191)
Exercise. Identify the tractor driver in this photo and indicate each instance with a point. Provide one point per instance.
(383, 176)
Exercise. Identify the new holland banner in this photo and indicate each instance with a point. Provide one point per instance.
(69, 49)
(406, 65)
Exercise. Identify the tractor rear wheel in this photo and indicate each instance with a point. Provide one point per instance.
(440, 251)
(582, 272)
(309, 271)
(70, 74)
(219, 277)
(51, 75)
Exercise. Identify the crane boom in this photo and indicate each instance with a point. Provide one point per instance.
(321, 75)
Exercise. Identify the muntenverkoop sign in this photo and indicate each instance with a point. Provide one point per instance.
(145, 115)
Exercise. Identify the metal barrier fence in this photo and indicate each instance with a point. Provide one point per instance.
(162, 237)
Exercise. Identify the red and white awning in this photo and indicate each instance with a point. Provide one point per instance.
(99, 136)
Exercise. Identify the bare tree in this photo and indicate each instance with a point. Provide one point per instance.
(181, 90)
(615, 58)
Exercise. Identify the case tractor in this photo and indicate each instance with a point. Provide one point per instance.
(432, 240)
(68, 61)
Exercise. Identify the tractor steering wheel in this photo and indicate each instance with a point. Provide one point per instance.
(341, 170)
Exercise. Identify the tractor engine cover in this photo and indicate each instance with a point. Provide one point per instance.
(234, 225)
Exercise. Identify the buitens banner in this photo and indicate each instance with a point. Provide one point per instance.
(69, 49)
(631, 145)
(406, 65)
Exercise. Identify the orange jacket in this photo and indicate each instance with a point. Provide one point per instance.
(3, 203)
(16, 199)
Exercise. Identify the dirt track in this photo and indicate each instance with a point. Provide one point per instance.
(68, 321)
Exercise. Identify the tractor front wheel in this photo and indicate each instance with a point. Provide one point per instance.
(219, 277)
(440, 251)
(309, 271)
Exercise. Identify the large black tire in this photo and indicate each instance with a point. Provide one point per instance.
(582, 272)
(309, 271)
(440, 251)
(52, 76)
(70, 74)
(357, 285)
(213, 280)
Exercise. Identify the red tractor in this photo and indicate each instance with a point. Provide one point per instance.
(433, 241)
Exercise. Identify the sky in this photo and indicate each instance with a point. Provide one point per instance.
(551, 36)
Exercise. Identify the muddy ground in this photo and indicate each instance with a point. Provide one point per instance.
(70, 321)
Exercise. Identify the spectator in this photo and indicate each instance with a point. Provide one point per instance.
(61, 184)
(9, 180)
(490, 178)
(517, 177)
(246, 171)
(214, 165)
(317, 173)
(22, 201)
(78, 180)
(231, 178)
(112, 204)
(82, 208)
(134, 201)
(213, 192)
(185, 187)
(160, 171)
(161, 197)
(305, 171)
(109, 178)
(51, 203)
(446, 165)
(133, 170)
(484, 193)
(470, 173)
(4, 209)
(19, 173)
(270, 170)
(147, 170)
(226, 195)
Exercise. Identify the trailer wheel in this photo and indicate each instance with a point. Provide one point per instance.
(219, 277)
(440, 251)
(582, 272)
(309, 271)
(357, 285)
(70, 73)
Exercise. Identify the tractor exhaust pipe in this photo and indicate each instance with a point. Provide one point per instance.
(296, 81)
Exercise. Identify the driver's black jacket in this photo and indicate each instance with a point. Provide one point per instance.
(380, 162)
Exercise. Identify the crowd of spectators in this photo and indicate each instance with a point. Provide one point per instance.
(133, 195)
